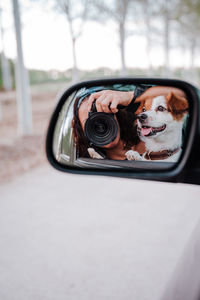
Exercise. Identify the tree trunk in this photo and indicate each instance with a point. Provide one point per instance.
(75, 75)
(22, 80)
(122, 48)
(166, 44)
(148, 37)
(193, 73)
(192, 53)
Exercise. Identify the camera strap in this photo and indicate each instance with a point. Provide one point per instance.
(139, 90)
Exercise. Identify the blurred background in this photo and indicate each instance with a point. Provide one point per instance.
(46, 45)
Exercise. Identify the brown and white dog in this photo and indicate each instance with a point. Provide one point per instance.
(160, 119)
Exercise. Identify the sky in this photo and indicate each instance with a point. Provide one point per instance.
(47, 44)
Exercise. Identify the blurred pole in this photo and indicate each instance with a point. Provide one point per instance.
(22, 80)
(6, 76)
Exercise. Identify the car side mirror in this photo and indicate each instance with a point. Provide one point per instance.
(132, 127)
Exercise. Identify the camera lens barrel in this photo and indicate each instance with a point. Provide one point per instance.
(101, 128)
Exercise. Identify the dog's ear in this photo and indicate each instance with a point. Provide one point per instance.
(176, 104)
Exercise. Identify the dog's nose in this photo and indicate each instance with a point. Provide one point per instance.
(142, 117)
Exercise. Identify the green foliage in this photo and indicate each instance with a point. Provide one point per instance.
(11, 65)
(38, 76)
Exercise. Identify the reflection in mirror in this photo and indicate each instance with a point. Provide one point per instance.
(121, 126)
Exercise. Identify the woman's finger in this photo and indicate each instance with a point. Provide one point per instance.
(99, 103)
(105, 104)
(113, 106)
(92, 98)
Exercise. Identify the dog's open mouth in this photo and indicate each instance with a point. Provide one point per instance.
(148, 130)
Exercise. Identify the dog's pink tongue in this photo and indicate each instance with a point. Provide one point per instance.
(146, 131)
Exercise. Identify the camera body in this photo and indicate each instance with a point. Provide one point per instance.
(100, 128)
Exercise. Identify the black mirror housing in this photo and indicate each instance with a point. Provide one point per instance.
(187, 168)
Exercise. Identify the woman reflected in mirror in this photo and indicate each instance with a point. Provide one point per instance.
(106, 101)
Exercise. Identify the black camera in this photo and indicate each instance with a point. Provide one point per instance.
(100, 128)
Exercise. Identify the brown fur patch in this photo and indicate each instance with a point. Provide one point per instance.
(159, 90)
(139, 110)
(147, 103)
(177, 105)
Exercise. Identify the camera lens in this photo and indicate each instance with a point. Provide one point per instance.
(101, 128)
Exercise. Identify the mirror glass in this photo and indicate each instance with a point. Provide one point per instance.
(122, 126)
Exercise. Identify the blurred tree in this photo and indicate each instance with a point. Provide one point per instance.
(120, 12)
(5, 68)
(187, 33)
(147, 15)
(76, 15)
(21, 79)
(167, 13)
(168, 10)
(189, 29)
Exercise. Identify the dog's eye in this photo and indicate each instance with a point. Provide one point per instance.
(161, 108)
(143, 109)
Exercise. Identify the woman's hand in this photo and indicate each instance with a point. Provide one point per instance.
(108, 100)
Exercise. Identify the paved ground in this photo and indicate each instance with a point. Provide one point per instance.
(19, 154)
(77, 237)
